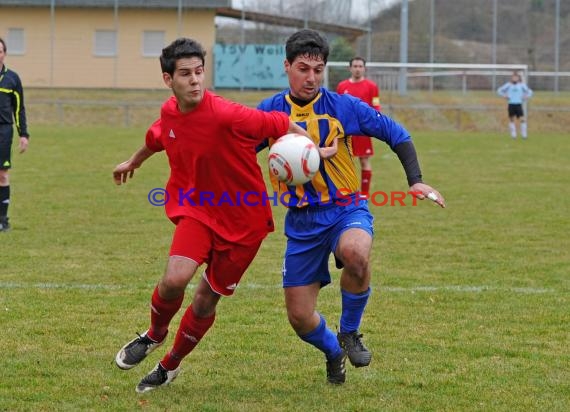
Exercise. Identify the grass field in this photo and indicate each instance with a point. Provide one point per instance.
(469, 308)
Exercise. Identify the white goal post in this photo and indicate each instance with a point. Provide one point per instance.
(431, 70)
(399, 77)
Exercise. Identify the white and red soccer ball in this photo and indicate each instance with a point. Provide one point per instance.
(294, 159)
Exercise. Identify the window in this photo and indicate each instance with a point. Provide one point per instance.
(152, 44)
(105, 43)
(15, 42)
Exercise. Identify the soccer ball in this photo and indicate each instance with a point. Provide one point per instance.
(294, 159)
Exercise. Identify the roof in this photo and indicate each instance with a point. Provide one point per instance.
(222, 7)
(163, 4)
(348, 31)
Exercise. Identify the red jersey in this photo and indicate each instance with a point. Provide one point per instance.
(366, 90)
(214, 174)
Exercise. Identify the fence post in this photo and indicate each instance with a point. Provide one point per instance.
(59, 108)
(126, 111)
(458, 126)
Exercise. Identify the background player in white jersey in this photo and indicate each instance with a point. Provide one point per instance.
(516, 92)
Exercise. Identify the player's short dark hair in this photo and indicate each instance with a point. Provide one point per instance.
(180, 49)
(3, 44)
(306, 42)
(357, 58)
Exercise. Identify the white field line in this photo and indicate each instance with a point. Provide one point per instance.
(390, 289)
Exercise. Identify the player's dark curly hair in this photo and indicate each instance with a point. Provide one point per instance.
(307, 42)
(179, 49)
(3, 44)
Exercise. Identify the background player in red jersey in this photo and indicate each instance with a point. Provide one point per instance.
(210, 143)
(366, 90)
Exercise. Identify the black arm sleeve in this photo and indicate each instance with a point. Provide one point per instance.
(19, 109)
(407, 154)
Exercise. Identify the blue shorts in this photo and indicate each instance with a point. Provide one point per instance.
(313, 233)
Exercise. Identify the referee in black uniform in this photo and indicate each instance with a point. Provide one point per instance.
(11, 111)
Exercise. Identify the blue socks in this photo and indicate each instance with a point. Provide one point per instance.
(352, 309)
(323, 339)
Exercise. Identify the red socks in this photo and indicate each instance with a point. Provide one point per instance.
(191, 330)
(161, 313)
(366, 176)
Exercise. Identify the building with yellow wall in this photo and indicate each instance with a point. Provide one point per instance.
(101, 43)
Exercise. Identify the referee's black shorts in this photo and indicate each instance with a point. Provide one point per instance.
(6, 133)
(515, 110)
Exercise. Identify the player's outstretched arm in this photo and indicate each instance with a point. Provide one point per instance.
(126, 170)
(407, 154)
(423, 191)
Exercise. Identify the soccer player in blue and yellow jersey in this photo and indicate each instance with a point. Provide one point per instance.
(11, 110)
(516, 92)
(328, 214)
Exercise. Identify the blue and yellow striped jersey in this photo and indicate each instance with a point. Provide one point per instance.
(327, 116)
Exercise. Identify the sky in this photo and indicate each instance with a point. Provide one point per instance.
(359, 8)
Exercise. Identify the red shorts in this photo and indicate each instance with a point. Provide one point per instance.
(226, 261)
(362, 146)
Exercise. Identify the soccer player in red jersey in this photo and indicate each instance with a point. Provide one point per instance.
(210, 143)
(367, 91)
